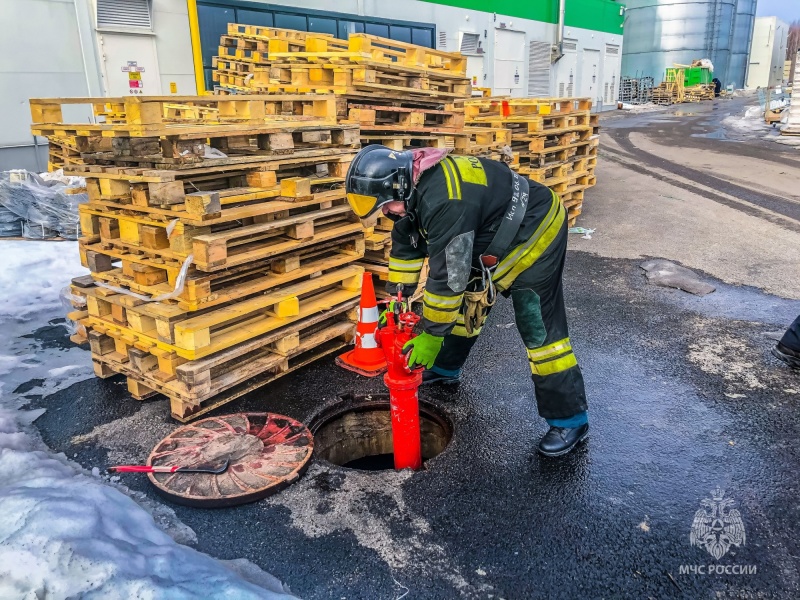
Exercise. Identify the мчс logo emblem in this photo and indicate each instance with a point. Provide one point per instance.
(718, 525)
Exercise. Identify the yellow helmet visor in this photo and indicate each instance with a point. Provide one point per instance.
(362, 205)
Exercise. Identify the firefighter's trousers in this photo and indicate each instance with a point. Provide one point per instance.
(541, 319)
(791, 339)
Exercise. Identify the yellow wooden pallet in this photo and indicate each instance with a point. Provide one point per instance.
(224, 327)
(213, 246)
(557, 154)
(172, 194)
(556, 172)
(399, 118)
(509, 107)
(403, 141)
(153, 112)
(203, 290)
(159, 319)
(238, 145)
(195, 387)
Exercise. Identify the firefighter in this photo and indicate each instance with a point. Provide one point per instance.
(788, 349)
(485, 230)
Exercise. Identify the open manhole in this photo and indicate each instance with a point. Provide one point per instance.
(356, 433)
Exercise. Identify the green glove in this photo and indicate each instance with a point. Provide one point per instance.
(424, 349)
(392, 304)
(382, 318)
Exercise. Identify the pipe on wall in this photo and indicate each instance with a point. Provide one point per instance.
(197, 51)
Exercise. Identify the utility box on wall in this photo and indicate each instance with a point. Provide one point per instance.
(130, 66)
(509, 62)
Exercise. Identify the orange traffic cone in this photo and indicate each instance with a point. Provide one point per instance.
(366, 358)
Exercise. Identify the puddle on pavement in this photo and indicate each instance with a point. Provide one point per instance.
(714, 135)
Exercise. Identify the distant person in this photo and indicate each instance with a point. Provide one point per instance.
(788, 349)
(717, 86)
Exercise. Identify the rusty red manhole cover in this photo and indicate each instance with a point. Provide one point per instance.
(266, 451)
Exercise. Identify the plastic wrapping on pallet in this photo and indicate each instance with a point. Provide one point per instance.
(71, 302)
(40, 206)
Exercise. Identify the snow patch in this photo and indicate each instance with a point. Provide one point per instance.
(33, 274)
(64, 531)
(747, 123)
(62, 370)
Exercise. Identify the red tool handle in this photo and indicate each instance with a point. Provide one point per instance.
(142, 469)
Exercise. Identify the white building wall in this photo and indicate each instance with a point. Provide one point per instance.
(174, 45)
(67, 56)
(40, 55)
(767, 53)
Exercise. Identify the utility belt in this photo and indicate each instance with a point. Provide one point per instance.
(481, 292)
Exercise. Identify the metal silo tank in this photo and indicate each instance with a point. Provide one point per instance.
(660, 33)
(742, 38)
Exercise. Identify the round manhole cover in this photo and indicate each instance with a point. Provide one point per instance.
(266, 452)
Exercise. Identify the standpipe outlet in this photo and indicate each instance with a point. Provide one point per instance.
(403, 384)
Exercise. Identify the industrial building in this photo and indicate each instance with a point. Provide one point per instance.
(767, 53)
(121, 47)
(661, 33)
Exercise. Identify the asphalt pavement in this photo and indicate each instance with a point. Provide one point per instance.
(684, 399)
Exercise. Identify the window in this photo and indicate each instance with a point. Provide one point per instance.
(422, 37)
(254, 17)
(123, 13)
(285, 21)
(213, 24)
(214, 20)
(377, 29)
(401, 34)
(322, 25)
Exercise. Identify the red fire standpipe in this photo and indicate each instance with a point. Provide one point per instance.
(403, 384)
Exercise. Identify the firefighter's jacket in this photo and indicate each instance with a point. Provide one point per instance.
(452, 218)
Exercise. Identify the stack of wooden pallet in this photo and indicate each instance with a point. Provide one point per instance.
(399, 95)
(672, 89)
(553, 140)
(221, 248)
(699, 92)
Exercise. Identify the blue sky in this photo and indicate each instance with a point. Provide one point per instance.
(785, 10)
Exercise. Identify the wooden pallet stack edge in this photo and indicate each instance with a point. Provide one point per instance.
(553, 141)
(214, 275)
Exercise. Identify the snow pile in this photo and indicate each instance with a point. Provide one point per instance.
(33, 274)
(640, 108)
(64, 533)
(751, 122)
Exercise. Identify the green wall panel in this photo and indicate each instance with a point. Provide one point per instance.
(535, 10)
(598, 15)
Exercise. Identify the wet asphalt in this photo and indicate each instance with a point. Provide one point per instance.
(699, 126)
(684, 397)
(611, 520)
